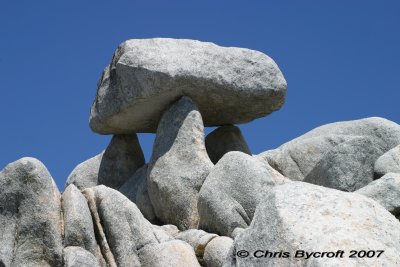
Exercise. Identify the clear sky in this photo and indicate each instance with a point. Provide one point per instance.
(341, 60)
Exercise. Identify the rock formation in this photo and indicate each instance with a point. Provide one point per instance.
(206, 201)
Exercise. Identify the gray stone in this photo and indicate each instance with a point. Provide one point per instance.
(78, 224)
(107, 258)
(100, 257)
(125, 228)
(217, 251)
(179, 165)
(120, 161)
(223, 140)
(79, 257)
(232, 191)
(174, 253)
(231, 85)
(135, 188)
(85, 174)
(161, 235)
(302, 216)
(127, 238)
(386, 191)
(198, 239)
(347, 166)
(112, 167)
(171, 229)
(30, 216)
(237, 231)
(297, 158)
(388, 162)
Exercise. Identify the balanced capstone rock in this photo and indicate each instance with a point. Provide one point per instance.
(230, 85)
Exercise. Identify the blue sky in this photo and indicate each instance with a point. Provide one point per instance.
(341, 60)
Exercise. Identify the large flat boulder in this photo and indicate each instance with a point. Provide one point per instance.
(353, 146)
(179, 165)
(30, 216)
(303, 217)
(231, 85)
(232, 191)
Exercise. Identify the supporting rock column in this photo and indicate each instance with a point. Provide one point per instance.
(112, 167)
(223, 140)
(179, 165)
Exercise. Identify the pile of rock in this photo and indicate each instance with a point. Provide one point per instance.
(205, 201)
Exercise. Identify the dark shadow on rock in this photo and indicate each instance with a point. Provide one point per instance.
(120, 160)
